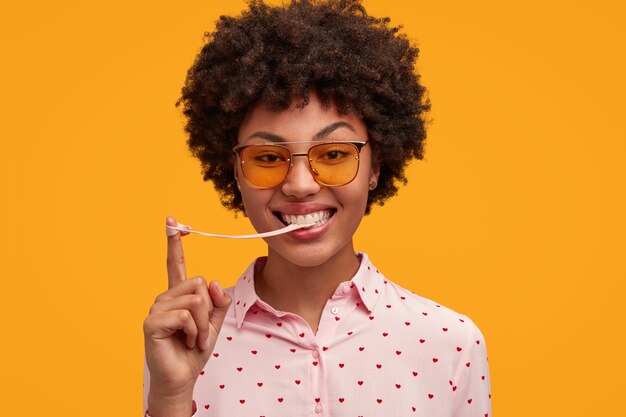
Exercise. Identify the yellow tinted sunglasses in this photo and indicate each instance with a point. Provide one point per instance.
(333, 163)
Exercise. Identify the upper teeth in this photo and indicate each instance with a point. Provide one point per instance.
(318, 217)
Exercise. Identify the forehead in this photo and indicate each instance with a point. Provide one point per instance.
(301, 123)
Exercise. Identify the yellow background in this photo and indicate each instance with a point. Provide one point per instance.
(516, 217)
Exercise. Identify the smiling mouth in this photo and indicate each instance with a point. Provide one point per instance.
(316, 218)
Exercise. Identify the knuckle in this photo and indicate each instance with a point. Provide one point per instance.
(199, 281)
(147, 325)
(175, 259)
(196, 301)
(184, 315)
(159, 298)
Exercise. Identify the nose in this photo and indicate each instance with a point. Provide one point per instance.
(300, 182)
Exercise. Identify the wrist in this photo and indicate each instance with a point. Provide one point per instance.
(167, 404)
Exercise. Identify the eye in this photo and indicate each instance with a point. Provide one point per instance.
(268, 158)
(333, 154)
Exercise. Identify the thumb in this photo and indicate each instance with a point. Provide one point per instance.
(221, 304)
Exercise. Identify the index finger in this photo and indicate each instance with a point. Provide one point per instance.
(176, 268)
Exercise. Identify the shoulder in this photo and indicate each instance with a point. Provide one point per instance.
(429, 317)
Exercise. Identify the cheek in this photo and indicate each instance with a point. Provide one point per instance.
(254, 201)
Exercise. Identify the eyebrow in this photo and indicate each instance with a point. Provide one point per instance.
(319, 135)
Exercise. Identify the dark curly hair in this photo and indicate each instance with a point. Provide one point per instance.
(267, 55)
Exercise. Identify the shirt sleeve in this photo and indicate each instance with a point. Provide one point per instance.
(473, 397)
(146, 390)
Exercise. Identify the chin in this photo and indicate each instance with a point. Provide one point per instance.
(307, 255)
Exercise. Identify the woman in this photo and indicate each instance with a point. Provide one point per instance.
(307, 113)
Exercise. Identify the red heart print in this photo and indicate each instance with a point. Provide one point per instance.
(260, 384)
(292, 350)
(403, 297)
(467, 364)
(268, 335)
(482, 377)
(216, 354)
(379, 401)
(242, 401)
(301, 335)
(229, 338)
(435, 360)
(206, 406)
(202, 372)
(371, 317)
(341, 365)
(450, 382)
(414, 373)
(398, 386)
(337, 318)
(454, 388)
(280, 400)
(398, 352)
(445, 329)
(279, 324)
(314, 363)
(424, 313)
(430, 396)
(341, 400)
(324, 348)
(469, 401)
(317, 400)
(361, 348)
(388, 306)
(413, 408)
(422, 340)
(458, 349)
(350, 333)
(222, 386)
(297, 381)
(385, 334)
(240, 369)
(360, 382)
(254, 352)
(277, 366)
(407, 323)
(379, 366)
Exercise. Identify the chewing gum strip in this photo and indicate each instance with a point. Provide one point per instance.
(183, 228)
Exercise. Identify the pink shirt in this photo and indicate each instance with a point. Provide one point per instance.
(380, 351)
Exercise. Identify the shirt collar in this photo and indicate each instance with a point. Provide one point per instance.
(368, 283)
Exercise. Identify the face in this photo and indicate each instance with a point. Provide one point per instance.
(300, 194)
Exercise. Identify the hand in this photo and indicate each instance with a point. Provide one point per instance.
(180, 333)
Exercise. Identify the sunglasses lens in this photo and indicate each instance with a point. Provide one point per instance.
(265, 166)
(334, 164)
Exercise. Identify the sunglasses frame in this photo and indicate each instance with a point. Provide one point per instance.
(238, 150)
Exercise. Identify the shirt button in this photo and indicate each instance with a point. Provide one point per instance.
(318, 408)
(334, 310)
(316, 354)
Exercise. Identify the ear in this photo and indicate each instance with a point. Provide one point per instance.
(374, 172)
(236, 174)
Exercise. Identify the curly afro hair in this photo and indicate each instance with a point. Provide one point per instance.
(353, 61)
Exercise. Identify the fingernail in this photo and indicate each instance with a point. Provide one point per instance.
(169, 231)
(219, 288)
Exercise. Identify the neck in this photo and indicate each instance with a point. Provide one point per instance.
(304, 290)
